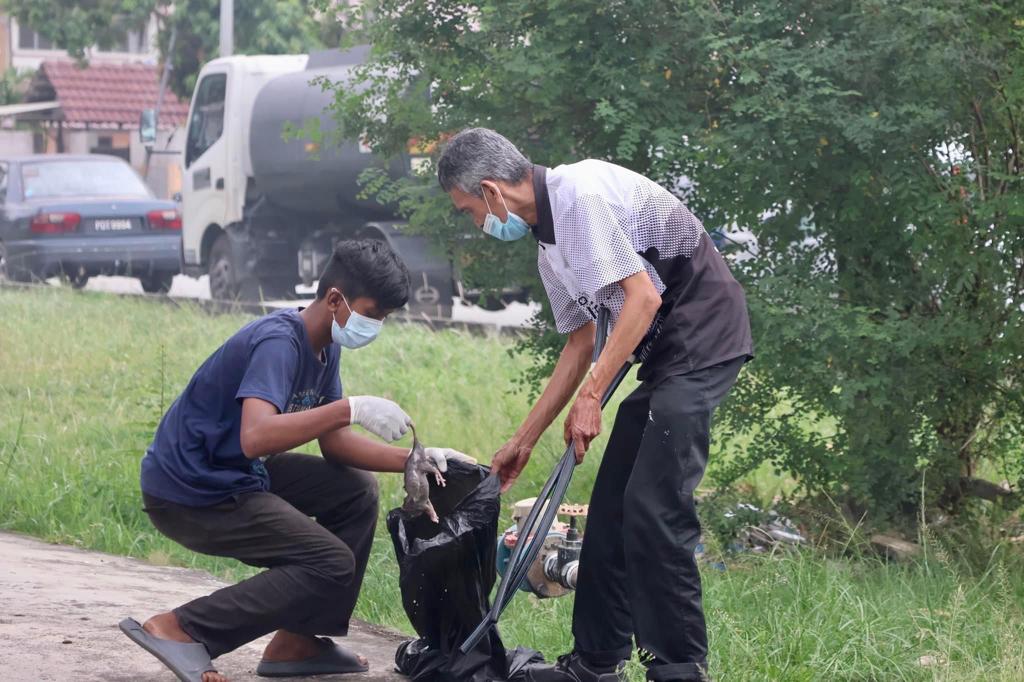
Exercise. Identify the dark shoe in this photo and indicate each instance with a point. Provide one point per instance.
(572, 668)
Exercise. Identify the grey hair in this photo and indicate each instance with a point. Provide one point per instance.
(477, 154)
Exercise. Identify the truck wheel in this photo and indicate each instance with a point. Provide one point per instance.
(491, 303)
(431, 289)
(268, 288)
(223, 286)
(157, 282)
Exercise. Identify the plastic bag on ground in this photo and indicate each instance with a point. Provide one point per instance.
(446, 572)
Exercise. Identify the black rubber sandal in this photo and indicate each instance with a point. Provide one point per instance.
(333, 660)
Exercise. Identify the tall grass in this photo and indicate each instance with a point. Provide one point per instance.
(84, 379)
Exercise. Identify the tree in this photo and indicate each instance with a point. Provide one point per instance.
(77, 26)
(12, 85)
(872, 146)
(261, 27)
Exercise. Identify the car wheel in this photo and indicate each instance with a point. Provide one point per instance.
(157, 283)
(8, 271)
(77, 280)
(223, 286)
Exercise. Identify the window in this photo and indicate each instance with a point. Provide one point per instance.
(138, 41)
(135, 41)
(207, 122)
(58, 179)
(132, 40)
(113, 143)
(30, 40)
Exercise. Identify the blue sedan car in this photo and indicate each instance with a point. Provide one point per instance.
(83, 215)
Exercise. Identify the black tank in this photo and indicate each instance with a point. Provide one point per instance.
(284, 171)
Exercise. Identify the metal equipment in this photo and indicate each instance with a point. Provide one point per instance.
(553, 572)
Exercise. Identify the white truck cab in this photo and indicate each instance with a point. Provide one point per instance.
(216, 163)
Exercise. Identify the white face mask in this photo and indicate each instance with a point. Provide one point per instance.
(358, 331)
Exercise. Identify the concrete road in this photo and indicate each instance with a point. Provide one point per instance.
(59, 609)
(515, 315)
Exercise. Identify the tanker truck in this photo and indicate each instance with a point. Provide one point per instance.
(261, 213)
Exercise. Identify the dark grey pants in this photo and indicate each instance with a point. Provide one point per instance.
(638, 576)
(315, 567)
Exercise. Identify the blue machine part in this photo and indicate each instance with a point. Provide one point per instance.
(505, 554)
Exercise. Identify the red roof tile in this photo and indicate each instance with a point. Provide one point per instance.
(104, 94)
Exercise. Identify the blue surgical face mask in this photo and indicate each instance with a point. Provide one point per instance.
(512, 229)
(358, 331)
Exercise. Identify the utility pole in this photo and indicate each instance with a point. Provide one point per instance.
(164, 77)
(160, 98)
(227, 27)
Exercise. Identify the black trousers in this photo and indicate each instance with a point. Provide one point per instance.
(315, 567)
(638, 576)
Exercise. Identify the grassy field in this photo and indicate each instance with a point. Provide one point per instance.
(84, 378)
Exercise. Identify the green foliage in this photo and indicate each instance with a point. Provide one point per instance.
(77, 412)
(77, 26)
(12, 85)
(260, 27)
(873, 147)
(480, 259)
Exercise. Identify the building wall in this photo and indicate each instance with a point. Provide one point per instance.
(15, 142)
(76, 142)
(5, 42)
(163, 174)
(31, 58)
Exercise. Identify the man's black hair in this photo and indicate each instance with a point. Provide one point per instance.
(366, 268)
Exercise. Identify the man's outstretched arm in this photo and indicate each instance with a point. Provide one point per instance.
(356, 450)
(265, 431)
(641, 305)
(569, 371)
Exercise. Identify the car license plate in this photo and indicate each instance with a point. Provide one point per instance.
(111, 224)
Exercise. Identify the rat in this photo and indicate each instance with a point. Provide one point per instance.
(417, 486)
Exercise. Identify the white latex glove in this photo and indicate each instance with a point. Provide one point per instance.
(440, 457)
(380, 416)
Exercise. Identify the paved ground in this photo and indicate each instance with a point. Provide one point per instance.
(59, 609)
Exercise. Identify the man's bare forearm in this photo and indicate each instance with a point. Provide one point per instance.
(266, 432)
(569, 372)
(356, 450)
(638, 311)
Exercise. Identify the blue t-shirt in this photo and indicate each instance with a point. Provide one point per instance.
(196, 456)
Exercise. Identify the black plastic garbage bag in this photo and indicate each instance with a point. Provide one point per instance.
(420, 662)
(446, 572)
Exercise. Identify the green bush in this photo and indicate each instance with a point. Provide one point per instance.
(873, 148)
